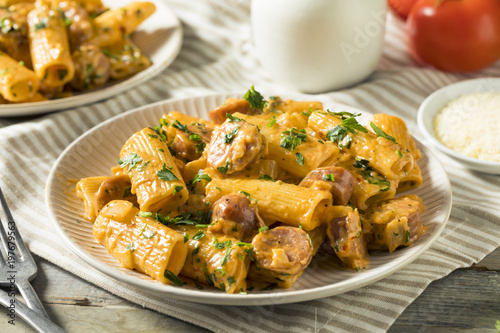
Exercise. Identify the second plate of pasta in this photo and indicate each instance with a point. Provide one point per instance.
(63, 54)
(95, 152)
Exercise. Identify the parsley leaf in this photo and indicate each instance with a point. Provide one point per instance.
(267, 177)
(110, 54)
(255, 99)
(272, 121)
(177, 189)
(381, 133)
(224, 169)
(407, 236)
(329, 177)
(166, 174)
(233, 118)
(228, 138)
(199, 177)
(180, 126)
(300, 158)
(44, 23)
(199, 235)
(339, 134)
(367, 171)
(292, 138)
(131, 160)
(173, 278)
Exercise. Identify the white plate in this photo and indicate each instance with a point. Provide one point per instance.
(97, 150)
(159, 37)
(435, 102)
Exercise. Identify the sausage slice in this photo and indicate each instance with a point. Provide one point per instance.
(234, 146)
(283, 249)
(337, 180)
(347, 238)
(114, 188)
(233, 215)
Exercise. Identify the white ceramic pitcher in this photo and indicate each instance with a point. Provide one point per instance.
(318, 45)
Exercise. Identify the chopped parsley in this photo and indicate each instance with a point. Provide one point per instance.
(180, 126)
(399, 153)
(228, 138)
(186, 237)
(173, 278)
(272, 121)
(166, 174)
(329, 177)
(300, 158)
(44, 23)
(267, 177)
(271, 286)
(407, 236)
(292, 138)
(340, 133)
(199, 235)
(227, 245)
(145, 214)
(381, 133)
(367, 173)
(110, 54)
(199, 177)
(233, 118)
(224, 169)
(197, 283)
(194, 137)
(255, 99)
(263, 229)
(131, 160)
(177, 189)
(231, 280)
(240, 244)
(67, 22)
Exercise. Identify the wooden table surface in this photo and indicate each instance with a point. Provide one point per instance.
(466, 300)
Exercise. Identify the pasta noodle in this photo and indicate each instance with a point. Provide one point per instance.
(138, 242)
(250, 201)
(51, 48)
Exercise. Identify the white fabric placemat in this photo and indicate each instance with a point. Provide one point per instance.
(217, 56)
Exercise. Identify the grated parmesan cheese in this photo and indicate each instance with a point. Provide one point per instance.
(470, 125)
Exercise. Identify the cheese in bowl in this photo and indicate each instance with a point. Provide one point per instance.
(470, 125)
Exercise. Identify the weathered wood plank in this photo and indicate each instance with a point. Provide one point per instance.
(466, 299)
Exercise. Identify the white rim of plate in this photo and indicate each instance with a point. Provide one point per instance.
(402, 257)
(171, 48)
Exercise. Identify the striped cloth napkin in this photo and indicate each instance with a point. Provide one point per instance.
(217, 56)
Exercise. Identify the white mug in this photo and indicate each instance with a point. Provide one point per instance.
(318, 45)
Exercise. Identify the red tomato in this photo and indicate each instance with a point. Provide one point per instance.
(455, 35)
(402, 7)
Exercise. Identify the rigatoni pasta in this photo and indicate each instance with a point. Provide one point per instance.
(51, 48)
(257, 196)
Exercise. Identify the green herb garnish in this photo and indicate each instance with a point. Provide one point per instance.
(381, 133)
(173, 278)
(224, 169)
(300, 158)
(166, 174)
(131, 160)
(292, 138)
(228, 138)
(329, 177)
(255, 99)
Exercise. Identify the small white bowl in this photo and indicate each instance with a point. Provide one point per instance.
(437, 100)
